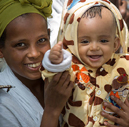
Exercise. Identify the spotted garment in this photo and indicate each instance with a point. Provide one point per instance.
(93, 86)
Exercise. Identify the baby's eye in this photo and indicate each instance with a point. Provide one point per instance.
(104, 41)
(41, 40)
(20, 45)
(85, 41)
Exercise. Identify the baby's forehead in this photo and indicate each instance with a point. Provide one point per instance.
(97, 17)
(99, 11)
(109, 13)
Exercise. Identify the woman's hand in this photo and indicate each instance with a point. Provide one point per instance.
(58, 91)
(56, 95)
(123, 114)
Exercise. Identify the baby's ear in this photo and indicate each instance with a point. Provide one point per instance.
(116, 44)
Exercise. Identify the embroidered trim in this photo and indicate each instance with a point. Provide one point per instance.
(6, 86)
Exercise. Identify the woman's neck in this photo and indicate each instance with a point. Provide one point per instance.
(35, 86)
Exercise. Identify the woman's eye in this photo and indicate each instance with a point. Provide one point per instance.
(41, 40)
(20, 45)
(104, 41)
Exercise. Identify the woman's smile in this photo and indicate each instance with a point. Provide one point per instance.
(34, 66)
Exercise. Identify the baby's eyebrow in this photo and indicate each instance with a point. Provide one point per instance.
(83, 36)
(105, 36)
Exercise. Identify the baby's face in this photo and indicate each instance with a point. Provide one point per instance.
(96, 39)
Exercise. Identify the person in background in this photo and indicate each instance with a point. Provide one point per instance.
(54, 21)
(92, 32)
(122, 6)
(24, 38)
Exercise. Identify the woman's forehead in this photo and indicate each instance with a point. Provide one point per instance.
(31, 18)
(24, 26)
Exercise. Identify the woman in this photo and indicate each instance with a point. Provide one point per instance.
(24, 38)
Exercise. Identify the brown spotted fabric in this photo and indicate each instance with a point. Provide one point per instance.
(86, 102)
(92, 86)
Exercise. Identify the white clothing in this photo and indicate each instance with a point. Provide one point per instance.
(2, 64)
(54, 22)
(64, 65)
(19, 107)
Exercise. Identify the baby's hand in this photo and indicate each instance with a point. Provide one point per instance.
(56, 54)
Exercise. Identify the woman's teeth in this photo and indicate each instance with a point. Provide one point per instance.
(34, 65)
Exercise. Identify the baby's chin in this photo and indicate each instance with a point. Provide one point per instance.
(95, 66)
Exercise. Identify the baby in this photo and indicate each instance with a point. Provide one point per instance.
(91, 31)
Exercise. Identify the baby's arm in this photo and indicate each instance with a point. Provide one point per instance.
(57, 59)
(56, 54)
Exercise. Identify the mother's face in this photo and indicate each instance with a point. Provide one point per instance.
(26, 42)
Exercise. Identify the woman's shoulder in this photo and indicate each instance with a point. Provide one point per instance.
(7, 110)
(5, 97)
(4, 74)
(8, 102)
(11, 113)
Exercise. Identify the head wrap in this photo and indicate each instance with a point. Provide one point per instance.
(72, 12)
(10, 9)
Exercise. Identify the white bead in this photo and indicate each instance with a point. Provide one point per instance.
(95, 118)
(98, 92)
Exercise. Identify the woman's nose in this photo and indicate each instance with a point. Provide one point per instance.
(33, 52)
